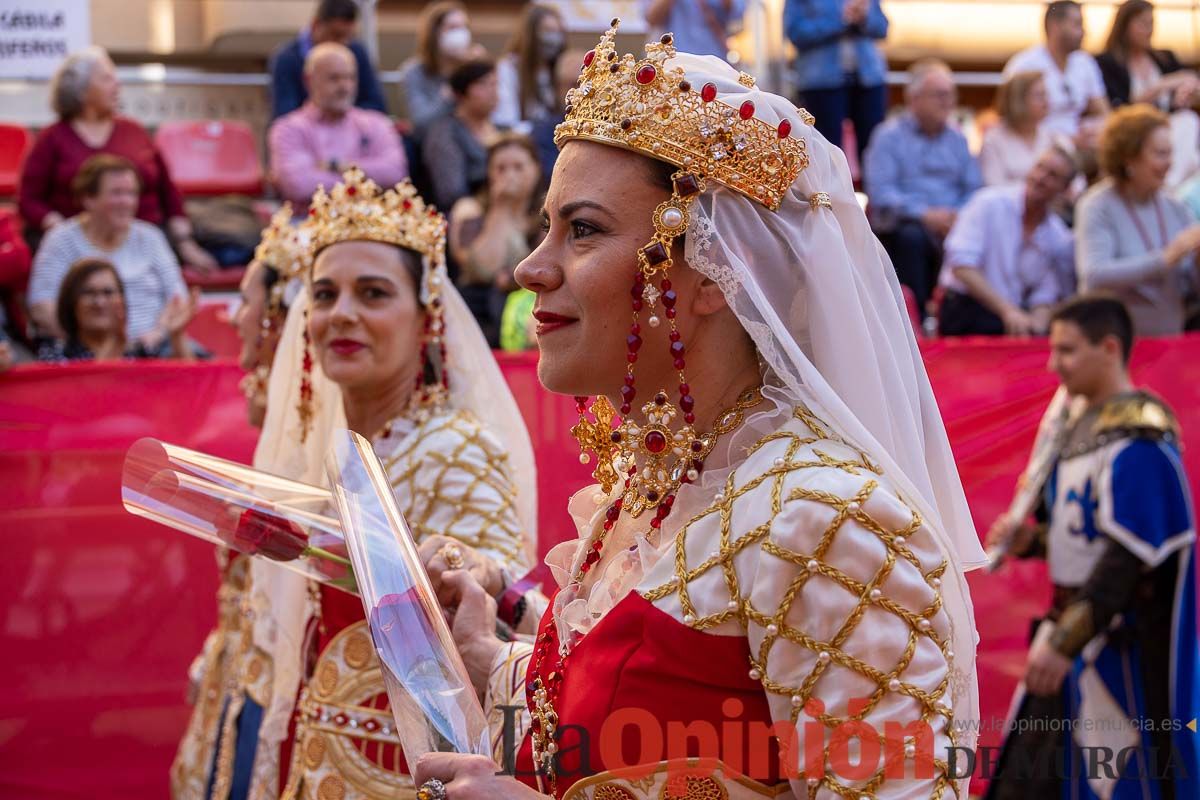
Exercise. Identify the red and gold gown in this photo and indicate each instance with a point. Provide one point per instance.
(804, 593)
(227, 667)
(451, 478)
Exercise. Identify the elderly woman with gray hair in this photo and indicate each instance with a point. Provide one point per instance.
(84, 94)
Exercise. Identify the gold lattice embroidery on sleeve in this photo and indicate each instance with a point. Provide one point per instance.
(849, 515)
(460, 485)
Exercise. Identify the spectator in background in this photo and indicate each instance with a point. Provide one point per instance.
(314, 144)
(493, 231)
(1073, 82)
(542, 135)
(1134, 72)
(85, 94)
(1087, 162)
(455, 146)
(108, 230)
(443, 44)
(526, 74)
(1134, 239)
(1011, 146)
(91, 313)
(918, 172)
(336, 21)
(701, 27)
(1009, 257)
(839, 66)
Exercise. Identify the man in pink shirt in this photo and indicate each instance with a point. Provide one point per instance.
(312, 145)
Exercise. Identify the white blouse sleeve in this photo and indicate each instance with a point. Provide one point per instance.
(848, 636)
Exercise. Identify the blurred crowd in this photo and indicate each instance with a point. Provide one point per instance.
(1087, 173)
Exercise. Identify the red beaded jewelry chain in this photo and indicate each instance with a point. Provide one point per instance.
(652, 483)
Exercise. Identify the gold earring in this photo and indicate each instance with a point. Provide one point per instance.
(597, 437)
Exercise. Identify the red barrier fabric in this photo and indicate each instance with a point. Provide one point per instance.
(212, 328)
(103, 612)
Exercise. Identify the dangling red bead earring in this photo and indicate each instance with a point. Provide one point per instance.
(305, 405)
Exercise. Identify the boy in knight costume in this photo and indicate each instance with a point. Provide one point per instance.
(1111, 674)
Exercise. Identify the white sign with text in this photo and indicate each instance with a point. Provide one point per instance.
(36, 35)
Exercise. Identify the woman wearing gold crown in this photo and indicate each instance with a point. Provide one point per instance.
(380, 342)
(230, 668)
(778, 538)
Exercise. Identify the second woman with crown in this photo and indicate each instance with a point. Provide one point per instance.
(384, 328)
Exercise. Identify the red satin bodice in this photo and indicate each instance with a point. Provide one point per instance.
(639, 664)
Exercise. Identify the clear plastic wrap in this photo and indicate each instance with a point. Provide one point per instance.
(432, 699)
(234, 506)
(354, 538)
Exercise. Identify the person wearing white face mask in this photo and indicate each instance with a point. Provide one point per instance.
(526, 72)
(444, 42)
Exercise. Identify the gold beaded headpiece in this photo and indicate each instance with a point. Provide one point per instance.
(282, 247)
(642, 105)
(357, 209)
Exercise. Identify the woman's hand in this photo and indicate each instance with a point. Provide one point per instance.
(509, 193)
(174, 320)
(437, 552)
(473, 623)
(179, 313)
(196, 257)
(1186, 242)
(1179, 83)
(470, 778)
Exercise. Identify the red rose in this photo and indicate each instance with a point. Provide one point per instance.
(259, 533)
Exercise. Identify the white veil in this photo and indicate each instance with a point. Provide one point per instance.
(478, 385)
(280, 600)
(818, 295)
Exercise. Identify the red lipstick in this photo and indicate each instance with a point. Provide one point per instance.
(548, 321)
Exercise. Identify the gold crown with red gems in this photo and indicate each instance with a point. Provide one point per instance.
(282, 247)
(356, 209)
(641, 105)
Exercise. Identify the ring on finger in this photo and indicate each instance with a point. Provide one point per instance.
(452, 554)
(432, 789)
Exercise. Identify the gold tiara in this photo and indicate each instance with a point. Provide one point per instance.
(282, 245)
(358, 210)
(641, 105)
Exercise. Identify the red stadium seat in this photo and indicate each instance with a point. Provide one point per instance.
(15, 141)
(211, 157)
